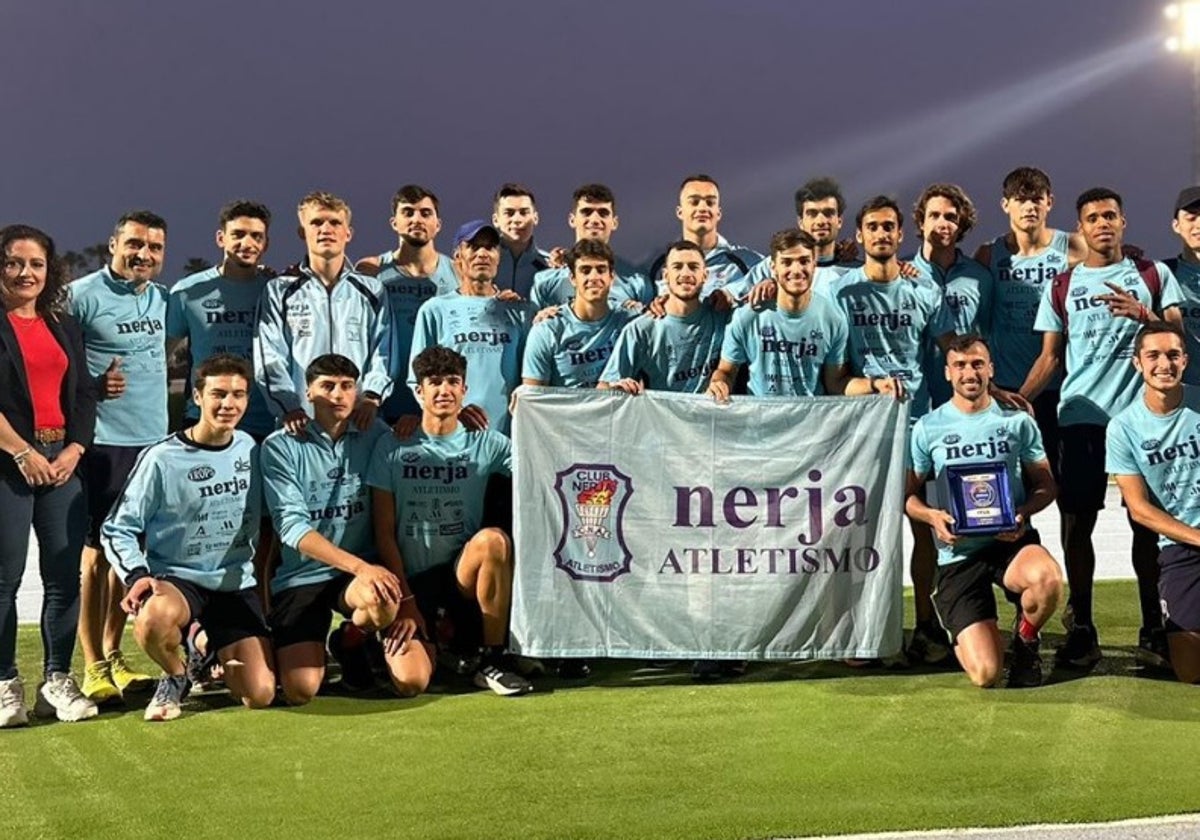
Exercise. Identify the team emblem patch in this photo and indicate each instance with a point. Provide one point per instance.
(1151, 445)
(982, 494)
(591, 545)
(1078, 291)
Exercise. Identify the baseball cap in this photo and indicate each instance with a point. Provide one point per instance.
(1188, 197)
(473, 228)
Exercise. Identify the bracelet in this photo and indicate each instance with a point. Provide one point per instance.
(871, 384)
(1143, 314)
(20, 457)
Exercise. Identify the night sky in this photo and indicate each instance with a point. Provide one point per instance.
(180, 107)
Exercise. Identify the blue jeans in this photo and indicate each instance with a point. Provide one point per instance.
(58, 516)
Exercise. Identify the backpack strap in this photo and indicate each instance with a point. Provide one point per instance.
(1058, 295)
(1153, 281)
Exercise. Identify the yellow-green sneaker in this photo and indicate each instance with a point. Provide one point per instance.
(98, 685)
(127, 679)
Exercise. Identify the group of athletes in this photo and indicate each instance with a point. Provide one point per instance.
(345, 446)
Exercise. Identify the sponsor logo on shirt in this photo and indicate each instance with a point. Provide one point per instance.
(201, 473)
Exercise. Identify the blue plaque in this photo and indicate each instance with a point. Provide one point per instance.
(979, 498)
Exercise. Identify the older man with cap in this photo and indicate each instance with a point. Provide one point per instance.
(488, 327)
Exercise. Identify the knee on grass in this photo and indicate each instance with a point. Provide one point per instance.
(984, 674)
(299, 691)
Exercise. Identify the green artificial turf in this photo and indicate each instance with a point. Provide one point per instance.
(786, 750)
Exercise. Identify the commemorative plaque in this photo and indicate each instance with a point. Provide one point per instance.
(979, 498)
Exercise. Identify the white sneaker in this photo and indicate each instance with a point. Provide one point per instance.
(59, 696)
(12, 703)
(168, 698)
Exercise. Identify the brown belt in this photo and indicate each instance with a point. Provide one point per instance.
(44, 436)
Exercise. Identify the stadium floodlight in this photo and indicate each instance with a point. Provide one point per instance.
(1185, 21)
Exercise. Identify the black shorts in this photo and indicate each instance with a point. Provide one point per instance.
(1179, 588)
(104, 470)
(438, 595)
(1082, 479)
(302, 613)
(962, 592)
(227, 617)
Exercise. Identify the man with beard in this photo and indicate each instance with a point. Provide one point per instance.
(411, 275)
(968, 566)
(123, 314)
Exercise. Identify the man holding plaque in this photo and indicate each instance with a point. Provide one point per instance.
(1153, 451)
(992, 477)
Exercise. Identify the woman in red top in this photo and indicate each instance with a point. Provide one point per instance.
(47, 414)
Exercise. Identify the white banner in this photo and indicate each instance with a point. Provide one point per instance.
(668, 526)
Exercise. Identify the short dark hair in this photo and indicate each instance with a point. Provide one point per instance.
(411, 194)
(53, 297)
(596, 193)
(684, 245)
(963, 343)
(1098, 194)
(879, 202)
(956, 196)
(139, 217)
(511, 190)
(591, 249)
(243, 208)
(438, 361)
(701, 178)
(222, 364)
(1158, 328)
(819, 189)
(1026, 182)
(791, 238)
(330, 364)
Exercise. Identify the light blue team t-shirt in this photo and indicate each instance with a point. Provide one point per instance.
(1017, 288)
(490, 333)
(117, 321)
(671, 353)
(405, 295)
(552, 287)
(1164, 449)
(568, 352)
(966, 291)
(191, 511)
(1100, 378)
(216, 315)
(314, 483)
(438, 482)
(1188, 275)
(891, 327)
(787, 353)
(948, 435)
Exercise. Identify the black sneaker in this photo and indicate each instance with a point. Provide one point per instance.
(496, 674)
(574, 669)
(929, 645)
(1082, 648)
(200, 665)
(356, 666)
(1152, 649)
(706, 670)
(1025, 664)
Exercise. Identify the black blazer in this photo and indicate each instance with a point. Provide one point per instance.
(78, 388)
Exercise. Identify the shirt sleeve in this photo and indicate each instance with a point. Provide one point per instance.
(539, 354)
(272, 366)
(1047, 319)
(921, 456)
(176, 322)
(1119, 458)
(1172, 292)
(424, 335)
(379, 469)
(283, 493)
(1032, 448)
(839, 337)
(623, 363)
(375, 376)
(122, 532)
(733, 345)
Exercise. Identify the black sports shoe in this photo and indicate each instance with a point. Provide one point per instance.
(356, 666)
(199, 666)
(498, 675)
(1025, 664)
(1082, 648)
(706, 670)
(929, 645)
(1152, 649)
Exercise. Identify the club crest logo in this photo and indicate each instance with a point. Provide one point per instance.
(1078, 291)
(591, 545)
(1151, 445)
(951, 439)
(982, 494)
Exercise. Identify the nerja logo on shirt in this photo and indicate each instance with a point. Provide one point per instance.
(147, 325)
(994, 446)
(1157, 454)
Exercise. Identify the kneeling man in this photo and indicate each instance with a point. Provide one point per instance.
(193, 502)
(970, 429)
(1152, 451)
(427, 498)
(315, 486)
